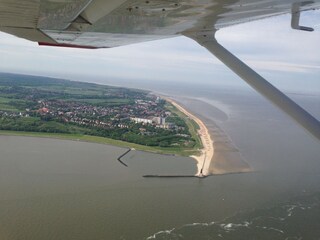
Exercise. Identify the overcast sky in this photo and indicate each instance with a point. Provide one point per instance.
(290, 59)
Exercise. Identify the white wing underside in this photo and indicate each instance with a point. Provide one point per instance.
(112, 23)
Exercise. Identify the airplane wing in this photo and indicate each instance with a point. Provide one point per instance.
(112, 23)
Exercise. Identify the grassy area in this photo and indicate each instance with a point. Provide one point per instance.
(103, 101)
(20, 92)
(101, 140)
(10, 104)
(4, 100)
(6, 107)
(192, 125)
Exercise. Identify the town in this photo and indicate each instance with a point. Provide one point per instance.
(145, 112)
(123, 114)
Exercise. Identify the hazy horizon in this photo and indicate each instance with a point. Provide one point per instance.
(287, 58)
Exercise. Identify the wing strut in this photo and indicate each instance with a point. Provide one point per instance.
(306, 120)
(295, 17)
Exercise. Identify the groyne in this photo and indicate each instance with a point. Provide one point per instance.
(175, 176)
(122, 155)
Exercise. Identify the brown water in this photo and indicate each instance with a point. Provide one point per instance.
(58, 189)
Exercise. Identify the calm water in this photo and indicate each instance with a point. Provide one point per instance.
(56, 189)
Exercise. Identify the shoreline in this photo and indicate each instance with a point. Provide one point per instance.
(227, 158)
(207, 150)
(90, 139)
(216, 157)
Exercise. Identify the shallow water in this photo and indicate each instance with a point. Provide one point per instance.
(58, 189)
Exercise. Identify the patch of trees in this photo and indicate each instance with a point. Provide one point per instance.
(160, 137)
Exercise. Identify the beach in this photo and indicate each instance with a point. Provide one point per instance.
(218, 154)
(207, 151)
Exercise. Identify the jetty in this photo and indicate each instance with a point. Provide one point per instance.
(174, 176)
(122, 155)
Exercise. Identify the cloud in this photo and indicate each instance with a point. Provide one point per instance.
(267, 45)
(284, 67)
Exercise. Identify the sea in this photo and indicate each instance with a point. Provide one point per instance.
(60, 189)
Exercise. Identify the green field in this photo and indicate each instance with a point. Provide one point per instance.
(101, 140)
(103, 102)
(10, 104)
(84, 101)
(192, 125)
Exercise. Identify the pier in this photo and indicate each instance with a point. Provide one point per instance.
(174, 176)
(201, 175)
(122, 155)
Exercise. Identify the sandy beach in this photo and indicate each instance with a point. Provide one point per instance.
(218, 155)
(207, 152)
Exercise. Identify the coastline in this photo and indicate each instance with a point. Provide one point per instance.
(217, 154)
(207, 150)
(226, 158)
(88, 139)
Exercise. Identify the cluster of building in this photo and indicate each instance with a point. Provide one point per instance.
(142, 111)
(157, 121)
(13, 114)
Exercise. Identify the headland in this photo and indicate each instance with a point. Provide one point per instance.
(207, 151)
(43, 107)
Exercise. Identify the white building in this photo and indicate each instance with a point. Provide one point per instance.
(159, 120)
(142, 120)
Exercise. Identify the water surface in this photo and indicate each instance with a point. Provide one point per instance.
(58, 189)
